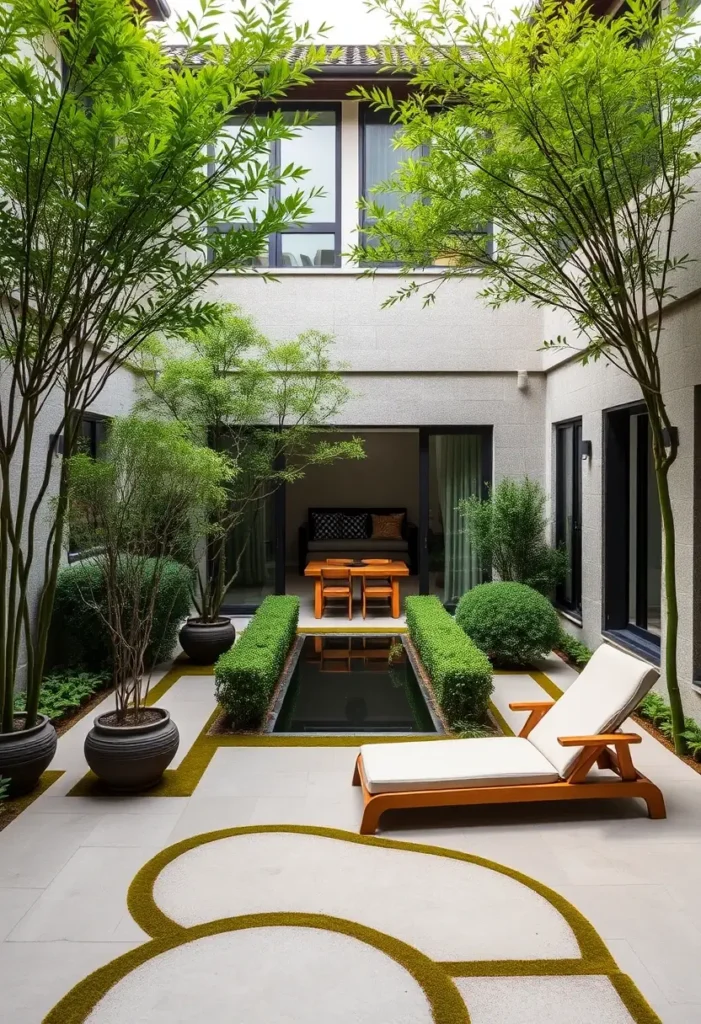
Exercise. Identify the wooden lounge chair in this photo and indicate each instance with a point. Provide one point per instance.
(567, 750)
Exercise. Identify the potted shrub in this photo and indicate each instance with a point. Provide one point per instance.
(149, 496)
(225, 381)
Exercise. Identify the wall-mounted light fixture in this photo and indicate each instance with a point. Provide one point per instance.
(522, 380)
(57, 441)
(670, 436)
(584, 450)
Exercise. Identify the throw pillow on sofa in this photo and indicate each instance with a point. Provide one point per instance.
(354, 527)
(327, 525)
(387, 527)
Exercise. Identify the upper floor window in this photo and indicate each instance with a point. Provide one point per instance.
(379, 160)
(317, 241)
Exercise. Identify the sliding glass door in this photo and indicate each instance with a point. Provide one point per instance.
(568, 511)
(455, 464)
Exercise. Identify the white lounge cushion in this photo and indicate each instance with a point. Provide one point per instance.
(598, 701)
(454, 764)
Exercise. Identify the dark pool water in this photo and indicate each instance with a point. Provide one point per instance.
(353, 684)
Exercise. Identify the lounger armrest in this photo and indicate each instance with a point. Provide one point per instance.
(531, 705)
(604, 739)
(537, 709)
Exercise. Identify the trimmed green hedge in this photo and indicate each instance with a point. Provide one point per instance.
(79, 637)
(512, 623)
(460, 673)
(246, 675)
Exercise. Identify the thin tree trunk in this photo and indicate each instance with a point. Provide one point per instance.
(672, 608)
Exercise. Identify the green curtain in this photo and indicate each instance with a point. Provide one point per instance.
(458, 460)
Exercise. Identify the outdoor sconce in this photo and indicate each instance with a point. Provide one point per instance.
(59, 446)
(522, 380)
(585, 450)
(670, 435)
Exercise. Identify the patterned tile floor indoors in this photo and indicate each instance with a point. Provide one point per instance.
(507, 915)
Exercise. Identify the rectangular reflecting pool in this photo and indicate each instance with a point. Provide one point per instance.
(353, 684)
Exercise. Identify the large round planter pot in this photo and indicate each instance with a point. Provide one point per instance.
(25, 753)
(203, 642)
(129, 758)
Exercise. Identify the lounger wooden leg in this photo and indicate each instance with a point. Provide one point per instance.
(356, 772)
(655, 802)
(371, 817)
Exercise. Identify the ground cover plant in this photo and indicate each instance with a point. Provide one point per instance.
(246, 675)
(512, 623)
(654, 709)
(63, 692)
(577, 652)
(460, 673)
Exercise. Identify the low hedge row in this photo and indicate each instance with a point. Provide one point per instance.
(460, 673)
(245, 676)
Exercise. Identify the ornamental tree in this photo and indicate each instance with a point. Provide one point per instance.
(117, 170)
(260, 404)
(559, 152)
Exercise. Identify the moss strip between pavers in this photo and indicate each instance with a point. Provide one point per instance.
(434, 977)
(13, 807)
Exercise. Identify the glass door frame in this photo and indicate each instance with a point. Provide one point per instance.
(575, 606)
(486, 433)
(616, 548)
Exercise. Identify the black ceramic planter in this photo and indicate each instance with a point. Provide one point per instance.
(129, 758)
(25, 754)
(203, 642)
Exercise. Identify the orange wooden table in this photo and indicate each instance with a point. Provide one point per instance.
(391, 571)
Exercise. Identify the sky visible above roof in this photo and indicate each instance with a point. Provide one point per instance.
(350, 20)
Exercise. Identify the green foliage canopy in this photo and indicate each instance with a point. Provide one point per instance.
(570, 138)
(151, 488)
(260, 403)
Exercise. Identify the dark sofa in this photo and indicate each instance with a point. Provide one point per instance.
(405, 549)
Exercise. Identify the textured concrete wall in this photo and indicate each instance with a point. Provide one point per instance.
(458, 333)
(587, 391)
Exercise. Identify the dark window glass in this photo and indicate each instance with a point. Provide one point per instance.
(568, 511)
(632, 533)
(644, 532)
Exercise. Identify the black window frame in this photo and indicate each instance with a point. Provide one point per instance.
(616, 510)
(574, 606)
(93, 428)
(308, 227)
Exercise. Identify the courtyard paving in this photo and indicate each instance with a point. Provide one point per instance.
(204, 929)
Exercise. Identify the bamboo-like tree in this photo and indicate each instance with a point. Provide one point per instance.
(149, 496)
(118, 168)
(560, 147)
(259, 403)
